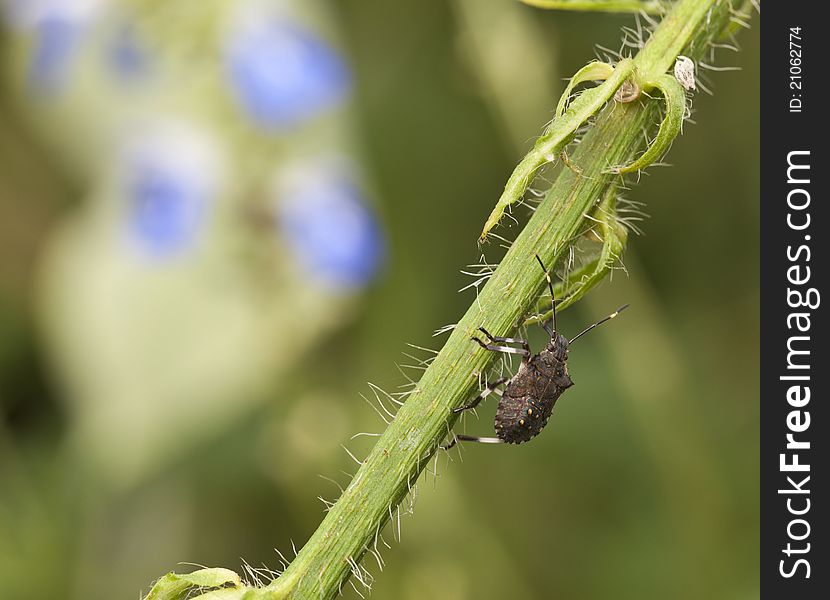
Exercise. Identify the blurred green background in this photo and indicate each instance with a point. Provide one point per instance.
(179, 405)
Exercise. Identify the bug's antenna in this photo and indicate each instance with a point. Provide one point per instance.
(600, 322)
(552, 301)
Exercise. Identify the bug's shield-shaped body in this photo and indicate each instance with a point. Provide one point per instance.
(528, 399)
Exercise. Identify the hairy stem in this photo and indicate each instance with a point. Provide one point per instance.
(387, 474)
(351, 526)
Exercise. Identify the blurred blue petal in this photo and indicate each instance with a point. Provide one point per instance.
(127, 56)
(170, 178)
(333, 234)
(283, 75)
(54, 45)
(166, 210)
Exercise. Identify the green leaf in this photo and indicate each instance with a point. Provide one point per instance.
(559, 134)
(593, 71)
(675, 98)
(175, 586)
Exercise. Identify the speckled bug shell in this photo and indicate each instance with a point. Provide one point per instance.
(528, 399)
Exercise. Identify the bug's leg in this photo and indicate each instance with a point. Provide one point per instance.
(491, 387)
(505, 340)
(450, 445)
(506, 349)
(524, 350)
(472, 438)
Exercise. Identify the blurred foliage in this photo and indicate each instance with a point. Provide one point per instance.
(158, 411)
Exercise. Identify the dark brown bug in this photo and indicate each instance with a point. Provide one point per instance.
(528, 399)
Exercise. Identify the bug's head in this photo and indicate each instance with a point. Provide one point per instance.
(558, 346)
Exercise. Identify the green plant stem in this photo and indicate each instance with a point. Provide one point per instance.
(350, 527)
(649, 6)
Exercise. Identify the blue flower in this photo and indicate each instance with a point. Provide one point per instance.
(330, 229)
(282, 74)
(166, 211)
(127, 56)
(170, 179)
(55, 41)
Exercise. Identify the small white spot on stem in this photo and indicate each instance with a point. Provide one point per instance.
(684, 72)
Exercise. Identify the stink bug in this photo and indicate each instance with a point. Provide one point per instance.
(528, 398)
